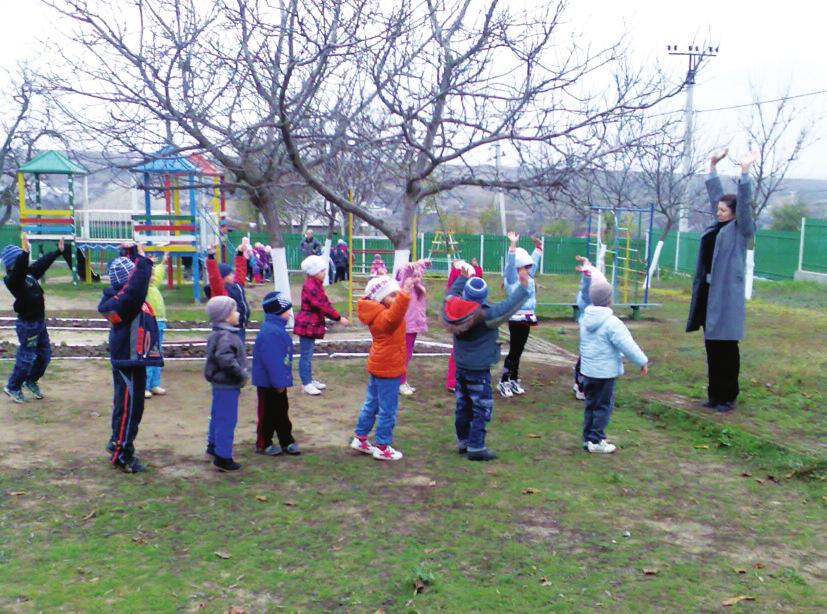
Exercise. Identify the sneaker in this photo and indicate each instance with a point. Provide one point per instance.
(517, 387)
(271, 450)
(225, 464)
(362, 445)
(131, 466)
(604, 447)
(387, 454)
(209, 453)
(578, 394)
(319, 385)
(311, 390)
(147, 394)
(15, 395)
(293, 449)
(725, 407)
(481, 455)
(406, 389)
(505, 389)
(451, 390)
(158, 390)
(34, 389)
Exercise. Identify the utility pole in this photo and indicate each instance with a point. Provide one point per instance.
(696, 56)
(500, 198)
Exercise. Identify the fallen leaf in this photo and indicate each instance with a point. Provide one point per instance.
(772, 478)
(380, 611)
(545, 581)
(759, 481)
(261, 498)
(790, 475)
(432, 483)
(530, 491)
(94, 414)
(739, 570)
(289, 503)
(16, 493)
(647, 571)
(534, 436)
(90, 515)
(236, 610)
(702, 447)
(222, 555)
(139, 539)
(746, 474)
(419, 586)
(758, 566)
(733, 600)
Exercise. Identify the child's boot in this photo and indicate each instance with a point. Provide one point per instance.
(481, 455)
(226, 464)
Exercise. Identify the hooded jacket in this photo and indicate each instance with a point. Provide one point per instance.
(273, 354)
(387, 356)
(153, 293)
(475, 326)
(604, 341)
(23, 283)
(226, 365)
(526, 311)
(416, 319)
(133, 335)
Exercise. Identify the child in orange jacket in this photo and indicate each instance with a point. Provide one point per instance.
(383, 310)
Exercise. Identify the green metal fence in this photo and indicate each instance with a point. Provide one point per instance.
(814, 246)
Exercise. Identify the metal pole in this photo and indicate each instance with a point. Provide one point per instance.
(683, 222)
(74, 232)
(500, 199)
(801, 243)
(649, 254)
(350, 259)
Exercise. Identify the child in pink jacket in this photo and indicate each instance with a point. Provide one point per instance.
(416, 318)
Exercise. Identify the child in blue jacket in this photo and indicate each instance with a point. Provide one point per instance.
(133, 346)
(272, 376)
(475, 326)
(604, 341)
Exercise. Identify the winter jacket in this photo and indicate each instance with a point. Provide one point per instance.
(273, 354)
(22, 282)
(133, 335)
(416, 319)
(526, 311)
(315, 306)
(226, 365)
(723, 318)
(310, 247)
(475, 326)
(387, 356)
(153, 294)
(235, 290)
(604, 341)
(339, 255)
(454, 273)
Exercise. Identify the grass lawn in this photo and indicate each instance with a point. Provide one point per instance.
(693, 510)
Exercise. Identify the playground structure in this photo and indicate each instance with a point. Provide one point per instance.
(41, 224)
(619, 238)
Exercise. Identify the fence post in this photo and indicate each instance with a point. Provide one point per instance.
(678, 251)
(801, 243)
(542, 254)
(482, 253)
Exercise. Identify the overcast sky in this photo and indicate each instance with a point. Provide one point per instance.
(773, 45)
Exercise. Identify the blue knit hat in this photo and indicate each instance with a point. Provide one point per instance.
(225, 269)
(475, 290)
(9, 255)
(277, 303)
(119, 271)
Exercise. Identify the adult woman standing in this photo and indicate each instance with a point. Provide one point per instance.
(718, 288)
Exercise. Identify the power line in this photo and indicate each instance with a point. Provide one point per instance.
(748, 104)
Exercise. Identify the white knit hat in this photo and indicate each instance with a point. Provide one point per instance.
(313, 265)
(380, 287)
(522, 258)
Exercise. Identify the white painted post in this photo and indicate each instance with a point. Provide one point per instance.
(482, 254)
(801, 244)
(654, 264)
(326, 256)
(750, 274)
(543, 254)
(678, 251)
(281, 278)
(401, 257)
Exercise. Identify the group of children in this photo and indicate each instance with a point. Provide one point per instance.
(393, 309)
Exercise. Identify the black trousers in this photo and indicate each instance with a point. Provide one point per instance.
(341, 274)
(519, 335)
(272, 418)
(127, 410)
(723, 360)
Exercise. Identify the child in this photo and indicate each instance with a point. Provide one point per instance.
(383, 310)
(133, 346)
(272, 375)
(416, 318)
(309, 324)
(474, 324)
(35, 350)
(226, 281)
(156, 301)
(226, 370)
(604, 340)
(377, 267)
(519, 325)
(582, 301)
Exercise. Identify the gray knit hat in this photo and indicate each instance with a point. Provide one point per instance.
(219, 309)
(600, 292)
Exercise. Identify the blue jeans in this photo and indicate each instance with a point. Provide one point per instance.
(475, 403)
(33, 355)
(600, 401)
(153, 374)
(223, 418)
(382, 401)
(306, 347)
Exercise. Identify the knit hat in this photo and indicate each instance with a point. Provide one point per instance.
(522, 258)
(380, 287)
(340, 242)
(224, 269)
(313, 265)
(600, 290)
(475, 290)
(9, 255)
(219, 309)
(276, 302)
(119, 271)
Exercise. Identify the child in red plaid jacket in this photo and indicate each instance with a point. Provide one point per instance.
(310, 321)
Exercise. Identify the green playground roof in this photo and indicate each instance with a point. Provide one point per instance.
(52, 163)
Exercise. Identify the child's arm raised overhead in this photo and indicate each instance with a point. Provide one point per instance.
(240, 263)
(393, 317)
(499, 313)
(510, 270)
(536, 256)
(38, 268)
(129, 300)
(214, 275)
(583, 299)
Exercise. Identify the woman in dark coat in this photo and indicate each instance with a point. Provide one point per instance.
(718, 288)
